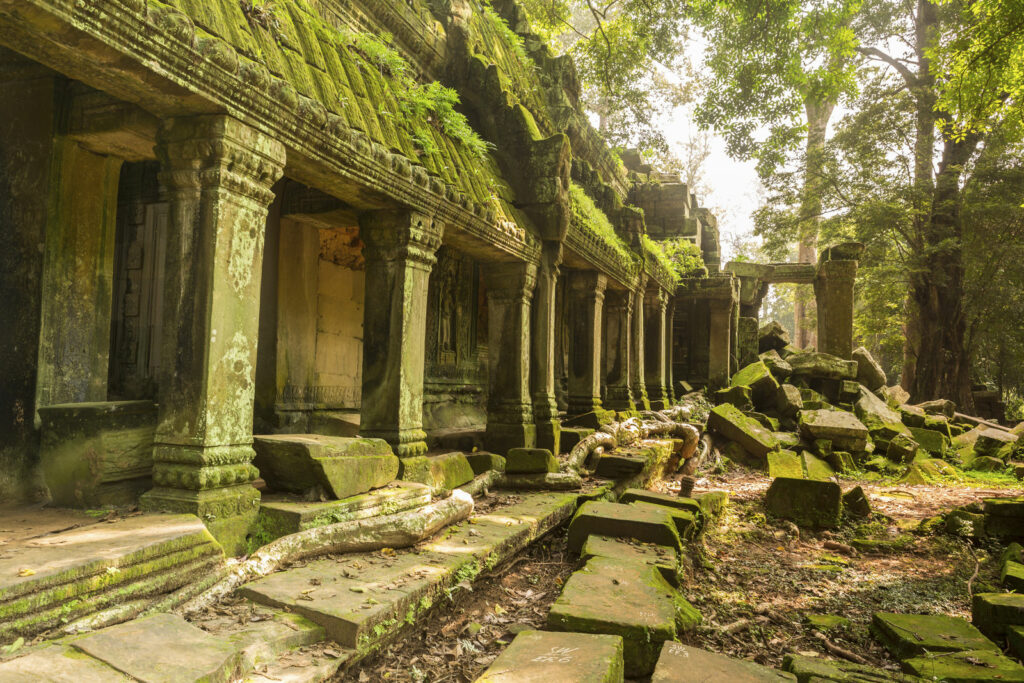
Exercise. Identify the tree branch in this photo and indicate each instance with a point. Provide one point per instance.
(906, 73)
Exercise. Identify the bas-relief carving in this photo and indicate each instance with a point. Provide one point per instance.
(453, 354)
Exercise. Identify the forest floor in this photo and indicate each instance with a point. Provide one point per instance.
(756, 582)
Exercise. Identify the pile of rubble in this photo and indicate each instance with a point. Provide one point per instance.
(805, 416)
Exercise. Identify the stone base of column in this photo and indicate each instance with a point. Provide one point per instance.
(501, 438)
(658, 397)
(642, 401)
(548, 428)
(579, 405)
(406, 443)
(230, 513)
(619, 398)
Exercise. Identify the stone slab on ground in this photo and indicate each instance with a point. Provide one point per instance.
(483, 462)
(82, 570)
(843, 429)
(1011, 575)
(759, 378)
(969, 666)
(281, 515)
(687, 523)
(912, 635)
(549, 656)
(730, 422)
(163, 648)
(663, 557)
(570, 436)
(649, 524)
(444, 471)
(818, 670)
(992, 613)
(680, 663)
(785, 463)
(869, 371)
(530, 461)
(592, 601)
(806, 502)
(816, 468)
(679, 502)
(362, 599)
(341, 466)
(619, 465)
(58, 664)
(822, 366)
(1015, 641)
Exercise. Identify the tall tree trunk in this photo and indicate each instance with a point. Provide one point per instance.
(937, 288)
(818, 114)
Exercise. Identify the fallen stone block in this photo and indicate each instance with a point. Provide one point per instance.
(842, 461)
(713, 503)
(902, 449)
(992, 613)
(592, 602)
(912, 416)
(984, 463)
(759, 378)
(936, 443)
(845, 431)
(995, 443)
(619, 465)
(787, 464)
(921, 472)
(819, 670)
(570, 436)
(484, 462)
(530, 461)
(970, 666)
(913, 635)
(788, 401)
(772, 335)
(816, 468)
(869, 371)
(650, 524)
(731, 423)
(446, 471)
(549, 481)
(680, 663)
(341, 466)
(1004, 517)
(663, 557)
(1015, 640)
(779, 368)
(806, 502)
(895, 395)
(558, 656)
(822, 366)
(874, 412)
(58, 664)
(687, 523)
(677, 502)
(1011, 575)
(940, 406)
(965, 524)
(148, 649)
(856, 503)
(739, 396)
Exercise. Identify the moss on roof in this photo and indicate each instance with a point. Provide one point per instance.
(597, 223)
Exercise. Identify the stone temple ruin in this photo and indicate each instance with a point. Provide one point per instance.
(253, 281)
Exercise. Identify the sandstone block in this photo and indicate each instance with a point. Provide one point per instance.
(992, 613)
(536, 656)
(341, 466)
(530, 461)
(649, 524)
(806, 502)
(845, 431)
(731, 423)
(822, 366)
(869, 371)
(680, 663)
(912, 635)
(445, 471)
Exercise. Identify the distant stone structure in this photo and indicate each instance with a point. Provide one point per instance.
(218, 219)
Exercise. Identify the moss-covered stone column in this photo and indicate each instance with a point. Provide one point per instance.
(833, 292)
(637, 363)
(542, 349)
(400, 252)
(719, 341)
(218, 173)
(670, 316)
(655, 308)
(509, 409)
(618, 317)
(586, 301)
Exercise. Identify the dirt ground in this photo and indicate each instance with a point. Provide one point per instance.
(754, 581)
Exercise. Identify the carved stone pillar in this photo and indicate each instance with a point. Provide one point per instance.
(586, 300)
(509, 411)
(618, 323)
(218, 173)
(719, 337)
(637, 364)
(542, 350)
(399, 253)
(833, 292)
(670, 315)
(655, 357)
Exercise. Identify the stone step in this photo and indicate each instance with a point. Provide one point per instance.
(593, 600)
(646, 523)
(362, 600)
(992, 613)
(821, 670)
(666, 559)
(80, 571)
(338, 466)
(59, 664)
(643, 495)
(444, 471)
(163, 647)
(912, 635)
(969, 666)
(283, 515)
(619, 465)
(685, 521)
(680, 663)
(564, 657)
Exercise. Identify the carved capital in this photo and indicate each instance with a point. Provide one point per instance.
(513, 281)
(217, 151)
(401, 235)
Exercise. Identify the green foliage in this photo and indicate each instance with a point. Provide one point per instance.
(430, 102)
(598, 224)
(679, 256)
(511, 38)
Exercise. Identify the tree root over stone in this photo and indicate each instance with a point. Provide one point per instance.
(632, 430)
(398, 530)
